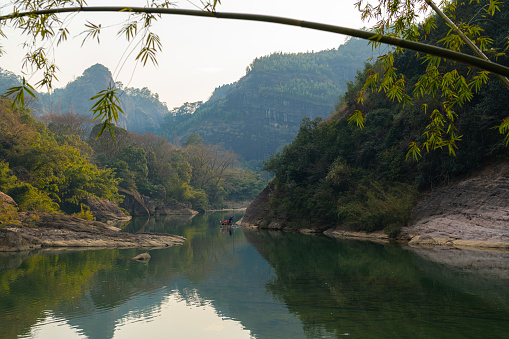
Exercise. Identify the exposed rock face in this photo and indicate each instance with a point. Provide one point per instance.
(137, 204)
(7, 199)
(174, 208)
(106, 211)
(11, 241)
(471, 212)
(55, 230)
(133, 203)
(258, 210)
(8, 208)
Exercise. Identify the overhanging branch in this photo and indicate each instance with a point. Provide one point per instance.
(411, 45)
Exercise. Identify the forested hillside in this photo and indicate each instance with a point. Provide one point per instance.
(335, 174)
(261, 113)
(56, 168)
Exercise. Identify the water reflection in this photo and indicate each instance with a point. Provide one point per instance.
(237, 283)
(370, 290)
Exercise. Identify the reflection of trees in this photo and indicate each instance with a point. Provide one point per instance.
(42, 281)
(365, 289)
(78, 284)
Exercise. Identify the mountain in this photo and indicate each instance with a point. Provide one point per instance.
(143, 109)
(255, 116)
(259, 114)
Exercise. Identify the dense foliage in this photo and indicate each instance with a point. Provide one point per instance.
(336, 174)
(41, 172)
(51, 169)
(194, 173)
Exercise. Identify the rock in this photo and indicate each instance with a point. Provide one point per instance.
(57, 230)
(8, 209)
(133, 203)
(471, 212)
(137, 204)
(142, 257)
(259, 209)
(106, 211)
(150, 203)
(7, 199)
(174, 208)
(11, 241)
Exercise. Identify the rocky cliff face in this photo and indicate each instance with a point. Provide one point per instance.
(473, 211)
(137, 204)
(256, 124)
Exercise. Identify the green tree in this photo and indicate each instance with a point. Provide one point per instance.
(453, 85)
(44, 173)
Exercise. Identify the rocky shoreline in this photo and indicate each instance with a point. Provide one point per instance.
(470, 213)
(22, 231)
(33, 231)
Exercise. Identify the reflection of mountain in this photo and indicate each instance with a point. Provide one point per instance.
(370, 290)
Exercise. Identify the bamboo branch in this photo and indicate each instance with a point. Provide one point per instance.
(465, 39)
(412, 45)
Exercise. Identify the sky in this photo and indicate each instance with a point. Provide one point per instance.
(199, 54)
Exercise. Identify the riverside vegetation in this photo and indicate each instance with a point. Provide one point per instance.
(335, 174)
(51, 169)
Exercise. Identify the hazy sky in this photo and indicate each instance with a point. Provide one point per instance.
(199, 54)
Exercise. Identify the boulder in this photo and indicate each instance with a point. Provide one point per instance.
(142, 257)
(12, 241)
(174, 208)
(7, 199)
(106, 211)
(133, 203)
(150, 203)
(8, 208)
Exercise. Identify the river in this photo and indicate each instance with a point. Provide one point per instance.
(238, 283)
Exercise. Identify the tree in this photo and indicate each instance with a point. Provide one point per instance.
(68, 123)
(41, 22)
(453, 85)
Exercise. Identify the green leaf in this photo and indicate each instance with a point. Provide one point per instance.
(503, 128)
(106, 109)
(414, 151)
(358, 118)
(19, 93)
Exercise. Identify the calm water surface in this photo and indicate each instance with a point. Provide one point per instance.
(253, 284)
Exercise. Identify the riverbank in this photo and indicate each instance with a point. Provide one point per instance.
(472, 212)
(31, 231)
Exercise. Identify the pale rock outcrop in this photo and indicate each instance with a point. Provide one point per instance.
(473, 212)
(56, 230)
(106, 211)
(142, 257)
(7, 199)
